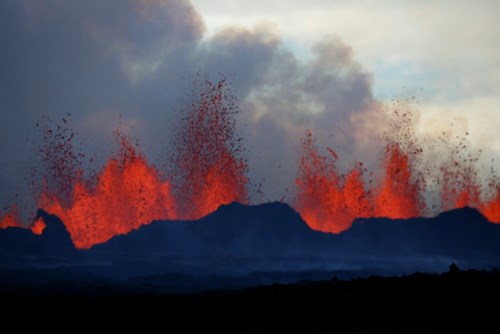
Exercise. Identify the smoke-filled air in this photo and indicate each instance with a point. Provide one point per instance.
(116, 114)
(208, 169)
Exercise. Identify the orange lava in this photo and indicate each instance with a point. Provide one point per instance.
(460, 187)
(491, 209)
(209, 172)
(11, 218)
(329, 201)
(398, 196)
(129, 193)
(326, 200)
(38, 226)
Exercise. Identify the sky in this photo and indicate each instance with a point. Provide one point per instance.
(450, 49)
(333, 67)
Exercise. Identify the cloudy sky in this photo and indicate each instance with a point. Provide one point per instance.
(451, 49)
(329, 66)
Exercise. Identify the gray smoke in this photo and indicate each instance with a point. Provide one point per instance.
(98, 59)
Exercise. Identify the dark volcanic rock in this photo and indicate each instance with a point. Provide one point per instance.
(20, 248)
(239, 239)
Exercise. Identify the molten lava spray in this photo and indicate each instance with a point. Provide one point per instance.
(460, 187)
(398, 196)
(129, 192)
(491, 208)
(208, 167)
(11, 218)
(326, 200)
(208, 170)
(329, 201)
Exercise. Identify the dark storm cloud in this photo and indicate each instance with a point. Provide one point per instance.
(97, 59)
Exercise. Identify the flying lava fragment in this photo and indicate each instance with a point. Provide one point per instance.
(209, 169)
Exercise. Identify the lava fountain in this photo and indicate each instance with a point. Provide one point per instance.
(129, 191)
(208, 169)
(329, 201)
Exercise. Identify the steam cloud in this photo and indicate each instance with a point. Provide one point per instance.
(99, 59)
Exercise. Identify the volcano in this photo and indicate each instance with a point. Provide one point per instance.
(240, 240)
(130, 218)
(208, 168)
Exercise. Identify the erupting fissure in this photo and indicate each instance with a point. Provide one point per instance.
(330, 201)
(208, 169)
(129, 191)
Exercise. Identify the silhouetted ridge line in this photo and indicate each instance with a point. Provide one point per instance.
(240, 239)
(471, 215)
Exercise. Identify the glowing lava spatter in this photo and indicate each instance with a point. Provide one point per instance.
(326, 200)
(38, 226)
(11, 218)
(60, 160)
(491, 208)
(128, 193)
(398, 196)
(459, 180)
(329, 201)
(209, 171)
